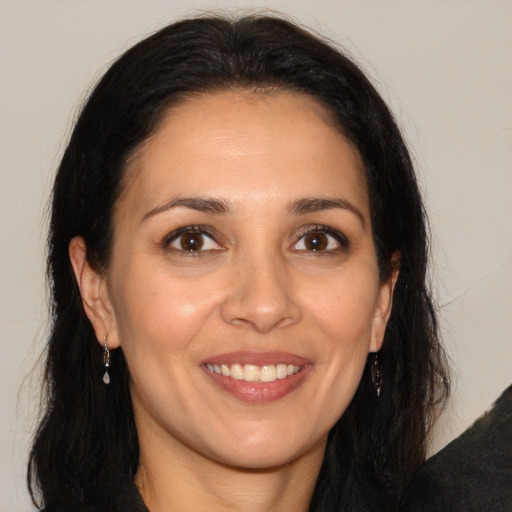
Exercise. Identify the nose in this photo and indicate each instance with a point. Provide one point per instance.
(261, 296)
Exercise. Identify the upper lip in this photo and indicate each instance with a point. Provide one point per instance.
(257, 358)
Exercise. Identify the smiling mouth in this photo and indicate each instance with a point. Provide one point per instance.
(257, 377)
(254, 373)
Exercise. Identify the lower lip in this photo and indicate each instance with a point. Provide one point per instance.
(259, 392)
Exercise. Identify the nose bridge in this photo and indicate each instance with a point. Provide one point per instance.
(262, 295)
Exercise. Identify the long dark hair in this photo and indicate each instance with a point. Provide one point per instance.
(87, 432)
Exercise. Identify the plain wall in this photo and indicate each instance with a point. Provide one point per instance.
(445, 68)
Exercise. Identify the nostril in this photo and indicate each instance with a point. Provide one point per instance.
(262, 303)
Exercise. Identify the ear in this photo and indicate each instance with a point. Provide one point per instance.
(94, 293)
(384, 304)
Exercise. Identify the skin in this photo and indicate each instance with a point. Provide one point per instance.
(256, 286)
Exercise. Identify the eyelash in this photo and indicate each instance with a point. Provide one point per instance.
(189, 230)
(339, 237)
(210, 233)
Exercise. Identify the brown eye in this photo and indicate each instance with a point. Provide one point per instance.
(321, 240)
(316, 242)
(191, 242)
(192, 239)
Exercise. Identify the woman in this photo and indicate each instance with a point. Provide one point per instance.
(237, 259)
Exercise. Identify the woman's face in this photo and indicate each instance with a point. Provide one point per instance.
(243, 286)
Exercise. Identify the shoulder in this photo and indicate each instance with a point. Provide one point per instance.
(473, 472)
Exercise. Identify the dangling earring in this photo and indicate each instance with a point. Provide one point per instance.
(376, 372)
(106, 360)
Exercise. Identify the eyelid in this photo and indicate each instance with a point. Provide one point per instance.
(207, 231)
(341, 239)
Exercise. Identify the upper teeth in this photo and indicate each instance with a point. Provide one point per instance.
(253, 373)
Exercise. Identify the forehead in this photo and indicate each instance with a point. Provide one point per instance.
(238, 144)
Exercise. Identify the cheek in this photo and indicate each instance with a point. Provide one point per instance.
(347, 311)
(155, 308)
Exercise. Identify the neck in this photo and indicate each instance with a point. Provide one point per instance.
(188, 482)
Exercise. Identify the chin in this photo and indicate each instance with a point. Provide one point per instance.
(265, 455)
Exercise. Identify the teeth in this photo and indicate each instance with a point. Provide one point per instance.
(251, 373)
(268, 373)
(237, 372)
(282, 371)
(254, 373)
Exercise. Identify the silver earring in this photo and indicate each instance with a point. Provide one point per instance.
(106, 360)
(376, 372)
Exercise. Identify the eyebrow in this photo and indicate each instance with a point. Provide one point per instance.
(200, 204)
(311, 205)
(219, 206)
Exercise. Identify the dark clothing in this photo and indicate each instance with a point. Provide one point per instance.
(472, 474)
